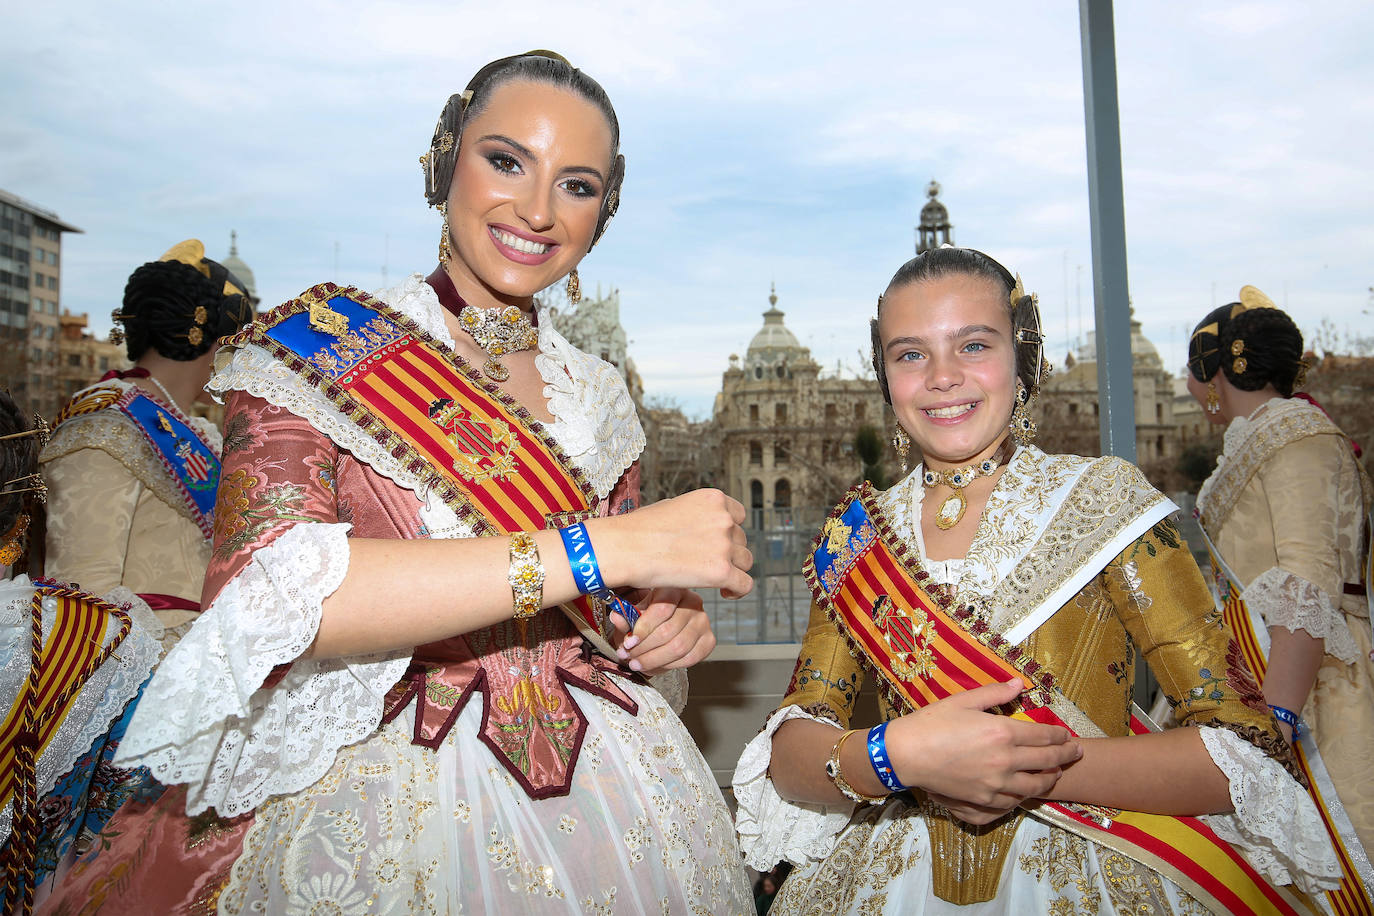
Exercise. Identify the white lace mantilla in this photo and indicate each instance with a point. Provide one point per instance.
(1283, 599)
(103, 697)
(234, 742)
(1275, 821)
(1050, 524)
(770, 827)
(1247, 444)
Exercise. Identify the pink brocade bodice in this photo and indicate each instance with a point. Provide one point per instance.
(530, 720)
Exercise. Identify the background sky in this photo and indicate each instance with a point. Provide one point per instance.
(766, 142)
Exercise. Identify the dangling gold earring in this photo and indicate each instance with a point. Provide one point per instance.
(1022, 426)
(901, 443)
(1213, 399)
(444, 251)
(574, 287)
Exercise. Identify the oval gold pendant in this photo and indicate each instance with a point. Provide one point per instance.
(495, 370)
(951, 511)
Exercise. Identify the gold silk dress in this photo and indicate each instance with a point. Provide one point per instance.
(1089, 544)
(1286, 507)
(114, 514)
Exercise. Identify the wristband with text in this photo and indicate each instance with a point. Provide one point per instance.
(882, 763)
(587, 572)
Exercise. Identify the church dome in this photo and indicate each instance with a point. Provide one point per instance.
(774, 344)
(241, 271)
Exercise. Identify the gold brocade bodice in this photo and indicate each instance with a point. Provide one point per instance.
(1150, 596)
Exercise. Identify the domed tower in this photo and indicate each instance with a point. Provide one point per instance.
(236, 266)
(935, 229)
(775, 350)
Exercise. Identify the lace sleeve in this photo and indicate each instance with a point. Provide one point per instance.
(207, 721)
(1274, 822)
(1286, 600)
(770, 827)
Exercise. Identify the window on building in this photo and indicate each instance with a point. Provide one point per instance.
(1159, 413)
(782, 494)
(780, 412)
(828, 450)
(859, 410)
(52, 283)
(832, 412)
(758, 372)
(780, 452)
(755, 494)
(74, 360)
(104, 363)
(38, 278)
(756, 454)
(754, 414)
(1159, 446)
(782, 371)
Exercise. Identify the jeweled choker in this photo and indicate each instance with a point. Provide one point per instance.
(951, 511)
(497, 331)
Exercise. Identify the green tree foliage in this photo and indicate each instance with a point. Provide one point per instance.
(869, 446)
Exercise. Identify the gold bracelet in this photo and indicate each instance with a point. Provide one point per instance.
(832, 769)
(526, 576)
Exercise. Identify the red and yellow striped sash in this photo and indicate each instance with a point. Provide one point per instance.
(1352, 898)
(470, 442)
(922, 650)
(70, 655)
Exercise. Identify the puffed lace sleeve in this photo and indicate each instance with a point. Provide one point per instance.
(824, 687)
(1162, 599)
(1302, 590)
(234, 711)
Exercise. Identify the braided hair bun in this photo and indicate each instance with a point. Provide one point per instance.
(181, 305)
(1252, 346)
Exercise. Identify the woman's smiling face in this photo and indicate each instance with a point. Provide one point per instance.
(951, 365)
(527, 189)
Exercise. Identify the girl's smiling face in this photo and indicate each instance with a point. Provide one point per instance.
(951, 365)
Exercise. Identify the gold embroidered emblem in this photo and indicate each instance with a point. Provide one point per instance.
(837, 535)
(908, 635)
(325, 319)
(483, 447)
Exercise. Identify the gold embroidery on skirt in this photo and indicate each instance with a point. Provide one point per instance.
(967, 860)
(1061, 858)
(1133, 888)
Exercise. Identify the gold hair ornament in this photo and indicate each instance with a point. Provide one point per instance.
(35, 486)
(12, 541)
(41, 429)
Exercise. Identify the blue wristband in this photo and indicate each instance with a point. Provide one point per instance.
(587, 571)
(1289, 718)
(877, 755)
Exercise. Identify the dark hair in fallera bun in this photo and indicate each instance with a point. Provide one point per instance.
(969, 262)
(1263, 343)
(159, 310)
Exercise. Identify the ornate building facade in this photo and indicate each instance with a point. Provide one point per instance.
(786, 428)
(82, 358)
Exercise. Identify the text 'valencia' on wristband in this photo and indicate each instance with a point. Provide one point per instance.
(1290, 718)
(882, 763)
(586, 571)
(526, 576)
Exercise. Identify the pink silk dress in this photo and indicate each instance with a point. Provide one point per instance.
(479, 774)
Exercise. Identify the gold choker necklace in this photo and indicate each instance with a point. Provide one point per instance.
(951, 511)
(499, 331)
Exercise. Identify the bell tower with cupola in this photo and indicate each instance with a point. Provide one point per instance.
(935, 229)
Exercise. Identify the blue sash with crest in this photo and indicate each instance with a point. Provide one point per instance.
(191, 462)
